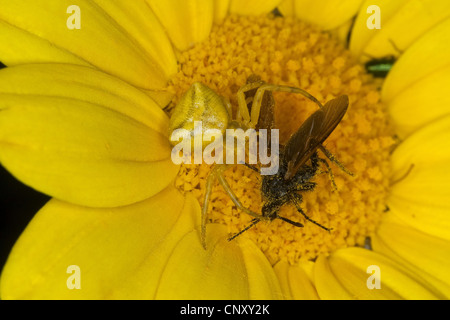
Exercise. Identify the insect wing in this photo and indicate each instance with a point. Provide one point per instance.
(300, 145)
(266, 118)
(315, 130)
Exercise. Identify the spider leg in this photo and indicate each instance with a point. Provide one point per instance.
(217, 174)
(236, 201)
(242, 103)
(256, 106)
(212, 177)
(229, 107)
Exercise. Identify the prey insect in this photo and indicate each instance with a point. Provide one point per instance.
(295, 173)
(380, 67)
(299, 157)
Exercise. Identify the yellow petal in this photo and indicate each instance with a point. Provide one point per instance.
(140, 23)
(82, 136)
(186, 22)
(286, 7)
(327, 285)
(120, 252)
(224, 271)
(420, 103)
(221, 8)
(427, 55)
(367, 43)
(424, 254)
(295, 282)
(161, 97)
(121, 39)
(253, 7)
(402, 21)
(325, 13)
(262, 280)
(37, 49)
(342, 31)
(421, 198)
(349, 270)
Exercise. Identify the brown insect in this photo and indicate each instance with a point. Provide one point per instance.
(295, 173)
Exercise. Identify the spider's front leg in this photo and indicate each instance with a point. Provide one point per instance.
(217, 174)
(242, 102)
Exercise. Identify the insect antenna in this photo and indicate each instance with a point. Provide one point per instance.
(299, 209)
(254, 221)
(395, 46)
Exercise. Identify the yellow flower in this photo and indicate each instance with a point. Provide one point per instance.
(81, 119)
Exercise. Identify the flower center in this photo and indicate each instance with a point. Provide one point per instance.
(284, 51)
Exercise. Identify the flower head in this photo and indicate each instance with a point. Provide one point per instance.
(82, 120)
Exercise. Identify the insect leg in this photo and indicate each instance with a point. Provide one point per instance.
(294, 199)
(332, 158)
(256, 106)
(306, 186)
(330, 173)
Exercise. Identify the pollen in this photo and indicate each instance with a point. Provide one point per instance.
(289, 52)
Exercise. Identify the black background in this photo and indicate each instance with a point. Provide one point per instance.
(18, 204)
